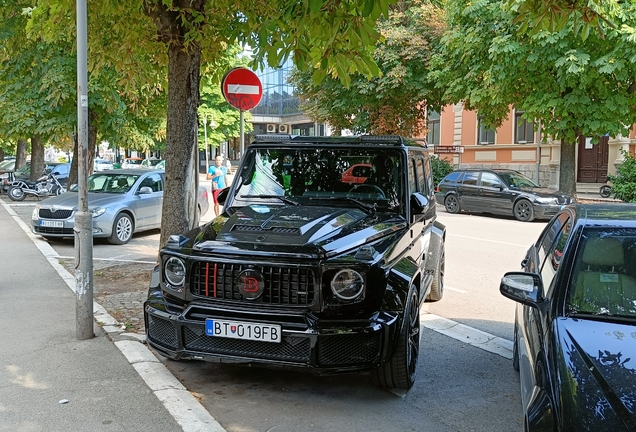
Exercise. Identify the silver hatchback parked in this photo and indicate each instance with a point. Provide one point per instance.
(122, 202)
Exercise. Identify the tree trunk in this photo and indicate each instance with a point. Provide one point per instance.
(1, 155)
(567, 168)
(179, 199)
(37, 158)
(72, 175)
(20, 156)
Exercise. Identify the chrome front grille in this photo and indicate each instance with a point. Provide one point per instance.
(283, 285)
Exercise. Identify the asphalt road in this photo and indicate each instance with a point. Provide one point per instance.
(459, 387)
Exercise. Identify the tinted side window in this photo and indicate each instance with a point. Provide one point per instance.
(470, 178)
(489, 179)
(428, 171)
(550, 250)
(412, 176)
(421, 178)
(452, 177)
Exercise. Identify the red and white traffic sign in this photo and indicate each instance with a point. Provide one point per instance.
(242, 88)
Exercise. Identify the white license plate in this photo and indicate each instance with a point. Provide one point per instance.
(53, 224)
(243, 330)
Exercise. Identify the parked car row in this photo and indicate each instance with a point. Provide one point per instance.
(122, 202)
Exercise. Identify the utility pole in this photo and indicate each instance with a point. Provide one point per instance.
(83, 219)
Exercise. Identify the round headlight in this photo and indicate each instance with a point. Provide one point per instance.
(175, 271)
(347, 284)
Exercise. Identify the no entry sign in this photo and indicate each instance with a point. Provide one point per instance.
(242, 88)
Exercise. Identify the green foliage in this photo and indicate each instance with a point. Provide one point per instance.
(392, 102)
(574, 86)
(624, 182)
(441, 168)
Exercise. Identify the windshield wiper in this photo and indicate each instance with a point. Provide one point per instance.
(280, 197)
(369, 208)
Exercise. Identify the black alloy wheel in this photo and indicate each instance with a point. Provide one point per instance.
(437, 286)
(451, 204)
(400, 370)
(524, 211)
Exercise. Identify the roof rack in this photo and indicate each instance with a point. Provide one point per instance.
(394, 140)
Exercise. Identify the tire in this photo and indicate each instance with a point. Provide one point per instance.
(400, 370)
(123, 228)
(437, 286)
(605, 191)
(524, 211)
(515, 350)
(16, 194)
(451, 204)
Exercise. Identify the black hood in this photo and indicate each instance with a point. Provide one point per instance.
(597, 368)
(314, 230)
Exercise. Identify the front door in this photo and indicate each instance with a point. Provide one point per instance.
(592, 160)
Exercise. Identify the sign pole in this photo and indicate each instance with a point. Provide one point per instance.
(83, 226)
(242, 132)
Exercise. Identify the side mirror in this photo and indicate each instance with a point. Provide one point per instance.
(145, 190)
(522, 287)
(222, 196)
(419, 203)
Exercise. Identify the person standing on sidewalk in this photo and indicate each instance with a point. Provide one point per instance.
(218, 175)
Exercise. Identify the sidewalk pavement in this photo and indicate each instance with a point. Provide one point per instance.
(50, 381)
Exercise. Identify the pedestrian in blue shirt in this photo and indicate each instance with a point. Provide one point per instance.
(218, 175)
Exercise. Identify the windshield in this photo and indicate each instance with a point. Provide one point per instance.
(111, 183)
(515, 179)
(331, 176)
(604, 277)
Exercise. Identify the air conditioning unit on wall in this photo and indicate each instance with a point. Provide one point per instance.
(283, 128)
(271, 128)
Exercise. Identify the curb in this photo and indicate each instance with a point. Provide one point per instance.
(180, 403)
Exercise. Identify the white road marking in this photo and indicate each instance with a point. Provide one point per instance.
(110, 259)
(491, 241)
(446, 287)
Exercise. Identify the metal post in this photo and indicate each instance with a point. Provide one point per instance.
(83, 220)
(205, 134)
(242, 134)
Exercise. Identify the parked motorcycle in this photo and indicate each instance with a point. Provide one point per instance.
(47, 185)
(605, 191)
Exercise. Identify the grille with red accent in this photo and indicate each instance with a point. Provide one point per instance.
(282, 285)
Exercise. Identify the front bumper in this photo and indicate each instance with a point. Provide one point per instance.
(546, 211)
(323, 346)
(102, 226)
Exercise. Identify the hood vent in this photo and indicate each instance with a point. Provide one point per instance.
(272, 230)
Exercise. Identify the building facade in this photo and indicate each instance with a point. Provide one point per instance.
(516, 145)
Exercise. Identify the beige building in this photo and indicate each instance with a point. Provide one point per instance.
(516, 145)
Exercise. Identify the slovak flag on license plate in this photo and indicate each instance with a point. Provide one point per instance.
(233, 329)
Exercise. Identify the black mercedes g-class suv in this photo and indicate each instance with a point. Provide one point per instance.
(309, 265)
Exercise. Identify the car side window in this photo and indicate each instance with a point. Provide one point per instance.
(452, 177)
(412, 176)
(490, 180)
(551, 247)
(153, 181)
(421, 177)
(470, 178)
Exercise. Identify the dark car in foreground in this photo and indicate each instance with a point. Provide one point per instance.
(303, 270)
(575, 321)
(499, 191)
(121, 202)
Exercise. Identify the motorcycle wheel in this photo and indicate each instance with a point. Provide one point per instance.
(605, 191)
(17, 194)
(60, 191)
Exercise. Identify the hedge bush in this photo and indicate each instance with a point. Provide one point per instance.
(624, 182)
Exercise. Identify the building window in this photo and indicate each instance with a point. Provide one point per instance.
(524, 129)
(486, 136)
(433, 128)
